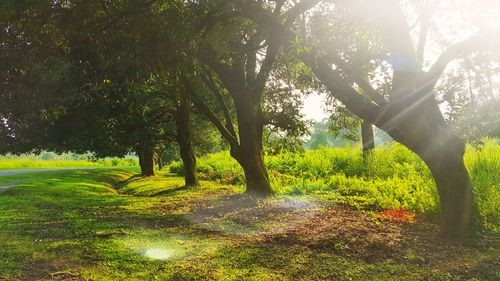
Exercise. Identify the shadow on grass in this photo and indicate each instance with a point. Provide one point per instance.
(77, 217)
(128, 181)
(171, 191)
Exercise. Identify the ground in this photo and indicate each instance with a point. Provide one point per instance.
(107, 224)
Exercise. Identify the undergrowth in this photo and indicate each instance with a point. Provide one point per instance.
(393, 177)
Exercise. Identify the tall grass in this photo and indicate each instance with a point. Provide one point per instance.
(392, 177)
(483, 164)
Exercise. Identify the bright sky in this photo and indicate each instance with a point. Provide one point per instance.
(314, 107)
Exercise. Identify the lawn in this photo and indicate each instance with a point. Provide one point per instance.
(108, 224)
(13, 164)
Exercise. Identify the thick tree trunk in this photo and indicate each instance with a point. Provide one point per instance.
(148, 167)
(367, 138)
(250, 153)
(424, 132)
(459, 215)
(256, 176)
(184, 140)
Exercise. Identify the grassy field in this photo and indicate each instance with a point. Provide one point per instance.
(107, 224)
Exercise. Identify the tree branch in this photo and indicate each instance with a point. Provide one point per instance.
(207, 79)
(210, 115)
(231, 81)
(480, 41)
(279, 5)
(333, 57)
(425, 19)
(267, 66)
(339, 88)
(298, 9)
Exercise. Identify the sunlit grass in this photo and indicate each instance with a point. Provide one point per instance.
(29, 163)
(105, 224)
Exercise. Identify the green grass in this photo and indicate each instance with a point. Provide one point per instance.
(10, 164)
(107, 224)
(393, 177)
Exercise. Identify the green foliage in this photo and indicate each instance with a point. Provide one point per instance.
(484, 167)
(392, 177)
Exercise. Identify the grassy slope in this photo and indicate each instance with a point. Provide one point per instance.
(26, 164)
(11, 164)
(74, 225)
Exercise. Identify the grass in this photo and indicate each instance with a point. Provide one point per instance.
(108, 224)
(393, 177)
(21, 163)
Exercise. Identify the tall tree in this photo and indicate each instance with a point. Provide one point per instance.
(410, 114)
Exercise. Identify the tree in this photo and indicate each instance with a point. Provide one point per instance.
(113, 100)
(183, 137)
(235, 60)
(410, 113)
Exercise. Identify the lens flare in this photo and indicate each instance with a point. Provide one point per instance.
(158, 253)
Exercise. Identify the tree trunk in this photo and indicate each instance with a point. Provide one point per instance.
(367, 138)
(183, 138)
(250, 153)
(459, 214)
(148, 167)
(424, 132)
(160, 163)
(141, 161)
(256, 176)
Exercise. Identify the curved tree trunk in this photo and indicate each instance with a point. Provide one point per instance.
(183, 138)
(459, 214)
(411, 115)
(424, 132)
(189, 161)
(251, 159)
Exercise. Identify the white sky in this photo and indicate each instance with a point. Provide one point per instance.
(314, 107)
